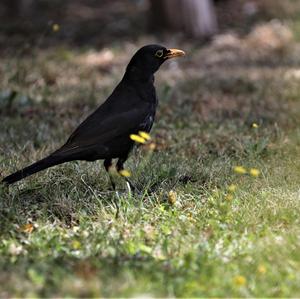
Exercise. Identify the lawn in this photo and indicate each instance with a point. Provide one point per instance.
(196, 226)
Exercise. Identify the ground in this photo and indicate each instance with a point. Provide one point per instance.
(197, 226)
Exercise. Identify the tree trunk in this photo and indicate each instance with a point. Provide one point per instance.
(17, 8)
(197, 18)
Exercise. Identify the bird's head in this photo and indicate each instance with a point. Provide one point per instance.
(147, 60)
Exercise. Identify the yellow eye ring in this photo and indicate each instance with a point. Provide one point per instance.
(159, 53)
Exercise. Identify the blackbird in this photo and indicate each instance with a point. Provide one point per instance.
(105, 134)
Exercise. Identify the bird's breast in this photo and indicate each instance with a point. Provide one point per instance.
(147, 124)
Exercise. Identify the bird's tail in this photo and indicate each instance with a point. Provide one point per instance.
(33, 168)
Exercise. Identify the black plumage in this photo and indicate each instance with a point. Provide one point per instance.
(105, 133)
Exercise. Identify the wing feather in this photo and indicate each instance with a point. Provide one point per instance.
(95, 132)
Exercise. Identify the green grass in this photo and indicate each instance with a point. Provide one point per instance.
(200, 246)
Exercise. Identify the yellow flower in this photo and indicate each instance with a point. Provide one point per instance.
(76, 244)
(229, 197)
(152, 146)
(55, 27)
(261, 269)
(255, 125)
(125, 173)
(172, 197)
(240, 169)
(191, 219)
(254, 172)
(137, 138)
(27, 228)
(239, 280)
(232, 188)
(144, 135)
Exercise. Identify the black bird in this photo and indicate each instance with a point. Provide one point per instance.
(105, 133)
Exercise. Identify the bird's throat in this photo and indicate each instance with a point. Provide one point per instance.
(137, 75)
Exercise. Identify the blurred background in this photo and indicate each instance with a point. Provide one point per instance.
(51, 46)
(232, 100)
(103, 23)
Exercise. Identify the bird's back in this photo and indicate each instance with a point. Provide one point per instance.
(105, 133)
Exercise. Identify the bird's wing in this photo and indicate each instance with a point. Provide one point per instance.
(99, 129)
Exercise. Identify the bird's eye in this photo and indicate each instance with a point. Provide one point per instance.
(159, 53)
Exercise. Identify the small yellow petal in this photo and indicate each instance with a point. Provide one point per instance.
(255, 125)
(261, 269)
(232, 188)
(55, 27)
(240, 169)
(137, 138)
(144, 135)
(254, 172)
(239, 280)
(229, 197)
(27, 228)
(152, 146)
(172, 197)
(125, 173)
(76, 244)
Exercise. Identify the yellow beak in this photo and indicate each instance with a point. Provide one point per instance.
(174, 53)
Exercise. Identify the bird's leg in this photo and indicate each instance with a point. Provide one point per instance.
(120, 166)
(107, 164)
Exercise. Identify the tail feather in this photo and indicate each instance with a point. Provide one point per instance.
(33, 168)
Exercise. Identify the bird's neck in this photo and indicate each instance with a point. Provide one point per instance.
(142, 85)
(137, 75)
